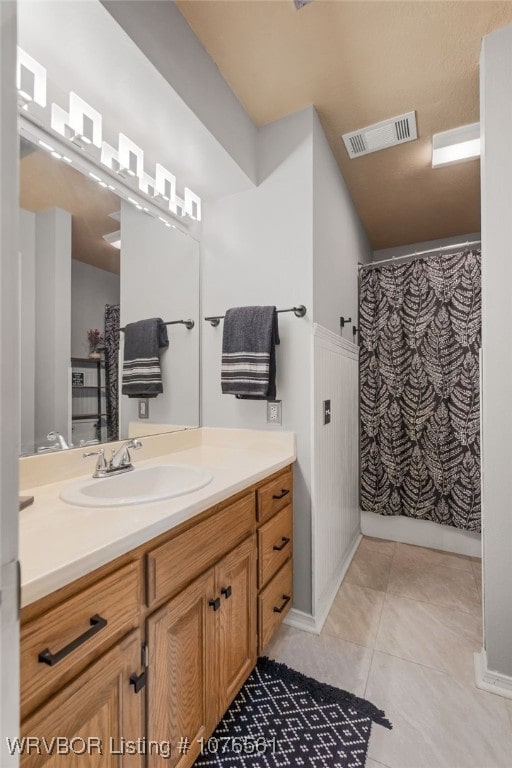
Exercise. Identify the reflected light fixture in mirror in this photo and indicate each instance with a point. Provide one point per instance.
(114, 239)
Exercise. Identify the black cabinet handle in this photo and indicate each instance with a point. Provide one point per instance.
(278, 547)
(214, 603)
(284, 492)
(138, 681)
(47, 657)
(280, 608)
(226, 591)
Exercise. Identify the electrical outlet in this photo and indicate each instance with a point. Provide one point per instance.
(143, 408)
(327, 411)
(274, 412)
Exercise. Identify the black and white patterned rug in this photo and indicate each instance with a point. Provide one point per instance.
(282, 718)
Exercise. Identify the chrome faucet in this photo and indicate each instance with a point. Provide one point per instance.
(119, 462)
(60, 439)
(121, 458)
(60, 445)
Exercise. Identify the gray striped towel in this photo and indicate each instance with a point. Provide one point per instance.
(142, 375)
(249, 352)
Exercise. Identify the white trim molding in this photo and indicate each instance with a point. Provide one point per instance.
(314, 624)
(328, 598)
(301, 620)
(489, 680)
(324, 334)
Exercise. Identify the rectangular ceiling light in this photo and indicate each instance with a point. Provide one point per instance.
(456, 145)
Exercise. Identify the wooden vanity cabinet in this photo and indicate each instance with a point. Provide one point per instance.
(182, 623)
(202, 647)
(275, 546)
(96, 715)
(181, 670)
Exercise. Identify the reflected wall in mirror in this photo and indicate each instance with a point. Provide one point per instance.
(91, 261)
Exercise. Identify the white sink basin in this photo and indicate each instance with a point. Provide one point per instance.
(143, 485)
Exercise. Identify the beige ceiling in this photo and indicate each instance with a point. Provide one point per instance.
(46, 182)
(359, 63)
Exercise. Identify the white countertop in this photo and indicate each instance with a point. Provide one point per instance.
(60, 542)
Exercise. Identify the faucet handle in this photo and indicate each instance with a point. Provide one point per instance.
(101, 464)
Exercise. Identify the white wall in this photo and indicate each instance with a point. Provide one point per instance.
(339, 244)
(257, 249)
(160, 278)
(336, 529)
(9, 385)
(161, 32)
(295, 239)
(27, 222)
(340, 241)
(91, 289)
(94, 51)
(496, 127)
(53, 322)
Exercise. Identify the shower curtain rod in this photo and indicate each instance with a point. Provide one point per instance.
(417, 254)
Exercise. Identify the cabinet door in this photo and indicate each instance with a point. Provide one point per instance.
(181, 671)
(235, 578)
(98, 716)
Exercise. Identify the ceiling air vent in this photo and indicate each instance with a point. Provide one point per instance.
(387, 133)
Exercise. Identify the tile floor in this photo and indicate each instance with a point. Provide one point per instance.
(402, 632)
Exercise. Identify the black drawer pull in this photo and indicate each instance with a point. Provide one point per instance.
(214, 603)
(278, 548)
(138, 681)
(284, 492)
(280, 608)
(226, 591)
(47, 657)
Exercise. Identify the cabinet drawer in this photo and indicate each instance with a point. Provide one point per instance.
(274, 544)
(56, 645)
(273, 604)
(174, 564)
(274, 496)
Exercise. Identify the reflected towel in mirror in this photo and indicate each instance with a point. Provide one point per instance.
(142, 375)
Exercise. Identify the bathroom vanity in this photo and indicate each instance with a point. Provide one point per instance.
(157, 641)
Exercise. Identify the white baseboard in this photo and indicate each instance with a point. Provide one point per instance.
(314, 623)
(301, 620)
(491, 681)
(421, 533)
(325, 604)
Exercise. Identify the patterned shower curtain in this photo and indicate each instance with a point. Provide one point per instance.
(111, 335)
(420, 334)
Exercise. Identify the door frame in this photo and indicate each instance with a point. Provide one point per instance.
(9, 385)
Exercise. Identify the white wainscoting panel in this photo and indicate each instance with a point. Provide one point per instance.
(335, 486)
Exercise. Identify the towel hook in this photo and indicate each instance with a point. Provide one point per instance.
(344, 321)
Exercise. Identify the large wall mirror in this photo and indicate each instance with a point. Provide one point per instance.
(93, 262)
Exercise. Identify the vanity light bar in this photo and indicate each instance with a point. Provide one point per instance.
(83, 163)
(82, 126)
